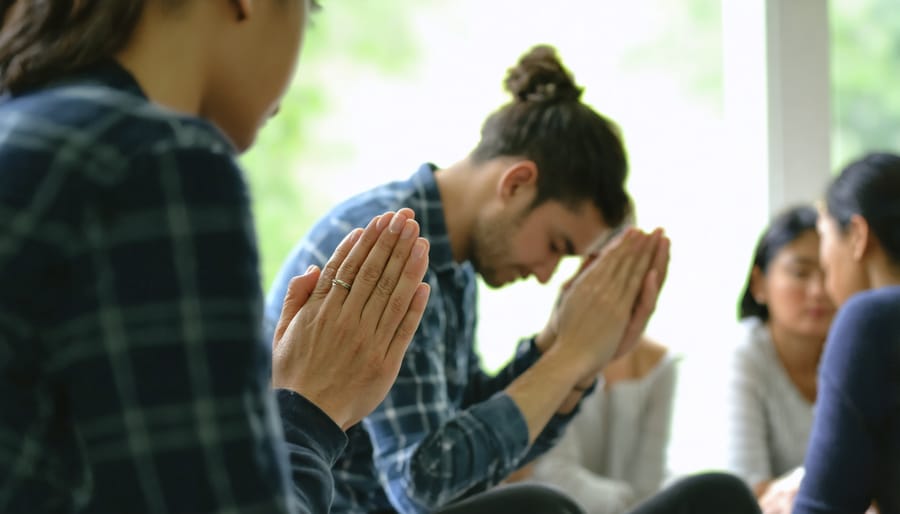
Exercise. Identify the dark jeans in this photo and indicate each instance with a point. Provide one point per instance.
(516, 499)
(708, 493)
(701, 494)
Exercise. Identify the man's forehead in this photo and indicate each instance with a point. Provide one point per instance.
(607, 234)
(602, 239)
(587, 235)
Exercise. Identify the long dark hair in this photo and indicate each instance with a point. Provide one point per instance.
(870, 187)
(579, 153)
(42, 40)
(786, 228)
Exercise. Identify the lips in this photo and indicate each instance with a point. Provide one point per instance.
(818, 312)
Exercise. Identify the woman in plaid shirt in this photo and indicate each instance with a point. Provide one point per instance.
(133, 374)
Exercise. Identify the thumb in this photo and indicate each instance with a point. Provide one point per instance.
(298, 292)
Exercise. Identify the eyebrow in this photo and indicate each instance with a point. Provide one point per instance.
(803, 260)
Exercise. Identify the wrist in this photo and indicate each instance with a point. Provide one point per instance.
(337, 413)
(566, 365)
(575, 363)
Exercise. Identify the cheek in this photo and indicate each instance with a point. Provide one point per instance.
(787, 296)
(838, 272)
(528, 248)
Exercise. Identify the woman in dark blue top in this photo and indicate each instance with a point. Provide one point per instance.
(853, 458)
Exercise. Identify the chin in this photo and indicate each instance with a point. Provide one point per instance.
(840, 295)
(493, 281)
(242, 143)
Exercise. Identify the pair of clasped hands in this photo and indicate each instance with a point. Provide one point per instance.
(341, 347)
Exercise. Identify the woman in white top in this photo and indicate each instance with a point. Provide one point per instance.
(785, 315)
(614, 452)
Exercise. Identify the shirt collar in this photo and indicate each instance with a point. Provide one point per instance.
(107, 72)
(431, 219)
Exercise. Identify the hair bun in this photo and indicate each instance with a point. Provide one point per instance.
(540, 77)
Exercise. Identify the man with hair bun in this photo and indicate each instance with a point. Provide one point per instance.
(546, 180)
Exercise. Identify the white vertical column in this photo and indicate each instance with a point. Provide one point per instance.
(777, 98)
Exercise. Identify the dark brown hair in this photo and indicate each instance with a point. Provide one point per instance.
(578, 152)
(41, 40)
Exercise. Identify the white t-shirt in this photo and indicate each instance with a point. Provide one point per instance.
(614, 452)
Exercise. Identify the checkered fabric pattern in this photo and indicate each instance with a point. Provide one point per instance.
(133, 376)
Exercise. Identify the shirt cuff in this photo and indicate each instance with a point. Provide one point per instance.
(507, 425)
(527, 353)
(306, 425)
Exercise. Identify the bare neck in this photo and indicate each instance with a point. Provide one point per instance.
(797, 352)
(883, 273)
(168, 58)
(800, 357)
(464, 189)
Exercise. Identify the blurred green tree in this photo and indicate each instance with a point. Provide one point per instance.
(345, 35)
(865, 70)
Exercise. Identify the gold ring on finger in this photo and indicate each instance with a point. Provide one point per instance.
(339, 282)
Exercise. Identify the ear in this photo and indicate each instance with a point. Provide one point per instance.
(758, 285)
(242, 8)
(517, 178)
(860, 237)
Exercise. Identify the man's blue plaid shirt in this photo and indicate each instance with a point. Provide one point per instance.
(446, 429)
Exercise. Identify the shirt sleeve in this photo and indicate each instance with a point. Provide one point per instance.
(857, 389)
(746, 431)
(314, 444)
(166, 376)
(427, 450)
(481, 386)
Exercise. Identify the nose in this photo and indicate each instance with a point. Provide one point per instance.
(816, 286)
(544, 272)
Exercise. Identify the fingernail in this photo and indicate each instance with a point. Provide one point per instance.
(354, 236)
(383, 221)
(408, 230)
(310, 269)
(418, 250)
(397, 223)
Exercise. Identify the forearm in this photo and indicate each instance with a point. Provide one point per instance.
(482, 386)
(470, 452)
(540, 392)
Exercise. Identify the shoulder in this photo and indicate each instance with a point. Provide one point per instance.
(875, 312)
(754, 346)
(648, 356)
(103, 131)
(865, 330)
(102, 157)
(880, 306)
